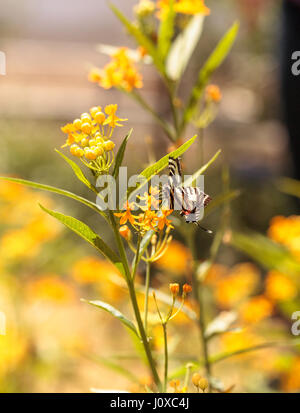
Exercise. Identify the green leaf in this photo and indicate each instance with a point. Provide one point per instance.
(140, 38)
(183, 48)
(57, 191)
(212, 63)
(166, 31)
(115, 366)
(78, 172)
(163, 162)
(158, 166)
(223, 356)
(85, 232)
(120, 155)
(201, 171)
(289, 186)
(269, 254)
(115, 313)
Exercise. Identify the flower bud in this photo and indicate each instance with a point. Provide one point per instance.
(203, 384)
(77, 124)
(186, 289)
(195, 379)
(174, 288)
(73, 149)
(86, 128)
(125, 232)
(99, 117)
(94, 110)
(109, 145)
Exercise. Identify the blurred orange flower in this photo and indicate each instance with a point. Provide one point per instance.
(286, 231)
(176, 259)
(291, 380)
(213, 93)
(256, 309)
(119, 72)
(232, 286)
(280, 287)
(239, 340)
(50, 287)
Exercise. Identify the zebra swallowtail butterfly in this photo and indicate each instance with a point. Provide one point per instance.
(189, 199)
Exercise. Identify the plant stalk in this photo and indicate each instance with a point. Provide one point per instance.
(130, 284)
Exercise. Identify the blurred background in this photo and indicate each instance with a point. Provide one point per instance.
(54, 342)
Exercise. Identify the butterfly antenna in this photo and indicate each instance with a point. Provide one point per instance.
(204, 229)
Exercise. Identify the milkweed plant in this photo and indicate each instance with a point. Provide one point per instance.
(166, 33)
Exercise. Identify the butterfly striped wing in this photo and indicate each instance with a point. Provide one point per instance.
(190, 200)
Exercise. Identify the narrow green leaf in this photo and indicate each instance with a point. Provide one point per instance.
(114, 312)
(78, 172)
(120, 155)
(201, 171)
(269, 254)
(115, 366)
(166, 31)
(183, 48)
(289, 186)
(158, 166)
(223, 356)
(140, 38)
(212, 63)
(163, 162)
(55, 190)
(85, 232)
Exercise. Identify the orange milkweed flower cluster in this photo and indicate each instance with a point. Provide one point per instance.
(119, 72)
(151, 217)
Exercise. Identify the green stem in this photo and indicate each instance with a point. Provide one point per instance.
(164, 325)
(136, 257)
(164, 124)
(147, 285)
(201, 145)
(130, 284)
(198, 295)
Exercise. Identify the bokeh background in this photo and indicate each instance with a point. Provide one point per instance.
(54, 342)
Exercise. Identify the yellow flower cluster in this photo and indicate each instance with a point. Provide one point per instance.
(184, 7)
(119, 72)
(89, 137)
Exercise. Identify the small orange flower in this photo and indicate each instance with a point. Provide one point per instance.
(163, 220)
(256, 309)
(112, 119)
(126, 215)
